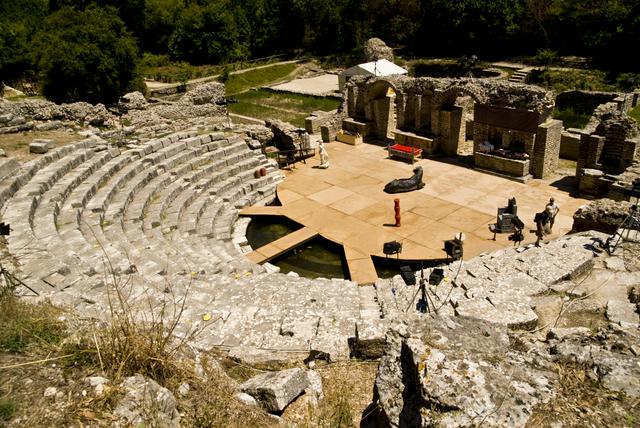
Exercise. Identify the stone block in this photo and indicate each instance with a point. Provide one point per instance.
(41, 146)
(370, 338)
(512, 167)
(8, 166)
(623, 313)
(275, 390)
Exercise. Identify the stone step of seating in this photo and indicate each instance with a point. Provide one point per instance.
(42, 181)
(65, 187)
(104, 194)
(48, 176)
(152, 259)
(158, 176)
(84, 192)
(204, 225)
(10, 185)
(35, 226)
(121, 200)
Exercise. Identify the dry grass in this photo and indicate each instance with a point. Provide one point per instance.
(211, 400)
(583, 402)
(129, 343)
(17, 145)
(348, 390)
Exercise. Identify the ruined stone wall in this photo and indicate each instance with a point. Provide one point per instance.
(427, 106)
(569, 145)
(512, 167)
(547, 149)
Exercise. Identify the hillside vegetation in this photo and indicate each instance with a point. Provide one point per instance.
(91, 50)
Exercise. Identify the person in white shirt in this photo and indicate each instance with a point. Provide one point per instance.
(552, 209)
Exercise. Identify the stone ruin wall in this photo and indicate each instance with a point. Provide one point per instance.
(427, 107)
(608, 157)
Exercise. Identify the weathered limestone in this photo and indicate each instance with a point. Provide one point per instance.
(146, 402)
(8, 166)
(375, 49)
(455, 372)
(603, 215)
(132, 101)
(623, 313)
(275, 390)
(41, 146)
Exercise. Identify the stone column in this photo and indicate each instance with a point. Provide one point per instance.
(546, 150)
(450, 130)
(401, 110)
(630, 152)
(352, 98)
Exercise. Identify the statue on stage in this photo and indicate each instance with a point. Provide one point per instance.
(406, 184)
(324, 157)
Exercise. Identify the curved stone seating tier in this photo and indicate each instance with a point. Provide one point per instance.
(78, 202)
(159, 220)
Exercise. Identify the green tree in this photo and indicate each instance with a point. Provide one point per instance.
(18, 22)
(160, 17)
(208, 34)
(85, 55)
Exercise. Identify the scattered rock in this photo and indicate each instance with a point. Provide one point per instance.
(622, 313)
(50, 391)
(183, 389)
(246, 399)
(564, 333)
(41, 146)
(8, 91)
(315, 384)
(48, 126)
(207, 93)
(615, 263)
(98, 383)
(132, 101)
(275, 390)
(145, 401)
(471, 377)
(375, 49)
(603, 215)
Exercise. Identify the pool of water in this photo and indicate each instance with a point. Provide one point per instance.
(318, 258)
(263, 230)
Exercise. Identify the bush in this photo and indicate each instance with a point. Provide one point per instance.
(545, 57)
(571, 118)
(85, 56)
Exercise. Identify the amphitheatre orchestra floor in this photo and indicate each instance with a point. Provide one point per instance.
(346, 204)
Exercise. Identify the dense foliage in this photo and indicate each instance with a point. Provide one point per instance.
(84, 55)
(221, 31)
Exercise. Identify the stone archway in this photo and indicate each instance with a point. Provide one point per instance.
(447, 118)
(382, 106)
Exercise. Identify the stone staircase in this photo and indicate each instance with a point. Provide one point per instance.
(520, 76)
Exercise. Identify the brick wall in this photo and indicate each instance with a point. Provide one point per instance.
(513, 167)
(546, 150)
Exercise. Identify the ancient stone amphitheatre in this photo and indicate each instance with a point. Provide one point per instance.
(156, 217)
